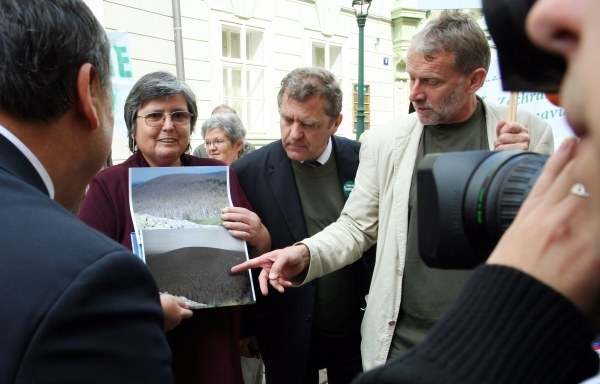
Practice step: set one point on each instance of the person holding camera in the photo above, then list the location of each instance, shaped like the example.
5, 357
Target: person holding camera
447, 63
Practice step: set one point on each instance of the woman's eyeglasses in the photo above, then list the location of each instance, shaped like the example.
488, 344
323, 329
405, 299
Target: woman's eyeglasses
217, 143
157, 119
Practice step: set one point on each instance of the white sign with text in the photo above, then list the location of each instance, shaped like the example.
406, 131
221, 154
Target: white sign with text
537, 103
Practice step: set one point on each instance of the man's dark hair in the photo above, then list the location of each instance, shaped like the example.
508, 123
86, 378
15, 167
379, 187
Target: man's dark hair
43, 44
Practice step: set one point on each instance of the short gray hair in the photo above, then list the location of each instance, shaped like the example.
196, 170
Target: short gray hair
455, 32
226, 107
230, 123
155, 85
304, 83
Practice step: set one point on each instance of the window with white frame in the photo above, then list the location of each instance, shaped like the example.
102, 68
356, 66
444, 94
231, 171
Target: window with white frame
243, 63
328, 56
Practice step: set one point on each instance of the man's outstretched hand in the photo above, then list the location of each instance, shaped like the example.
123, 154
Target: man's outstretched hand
278, 267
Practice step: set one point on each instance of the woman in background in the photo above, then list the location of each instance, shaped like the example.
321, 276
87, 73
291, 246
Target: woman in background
224, 136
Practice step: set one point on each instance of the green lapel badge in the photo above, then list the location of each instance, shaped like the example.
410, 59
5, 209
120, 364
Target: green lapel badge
348, 187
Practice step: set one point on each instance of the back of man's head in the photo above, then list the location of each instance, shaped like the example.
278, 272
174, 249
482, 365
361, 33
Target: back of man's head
43, 44
223, 108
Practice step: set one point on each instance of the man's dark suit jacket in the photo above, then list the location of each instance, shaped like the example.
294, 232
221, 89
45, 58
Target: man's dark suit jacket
283, 321
76, 306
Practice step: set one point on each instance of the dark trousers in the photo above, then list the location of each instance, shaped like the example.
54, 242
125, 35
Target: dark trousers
340, 356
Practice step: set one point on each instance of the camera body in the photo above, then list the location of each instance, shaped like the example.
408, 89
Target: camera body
523, 66
466, 200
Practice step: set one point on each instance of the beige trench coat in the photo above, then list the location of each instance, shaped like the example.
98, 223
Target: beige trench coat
377, 211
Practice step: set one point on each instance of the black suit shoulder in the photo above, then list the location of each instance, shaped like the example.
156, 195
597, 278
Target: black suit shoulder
346, 144
67, 287
271, 152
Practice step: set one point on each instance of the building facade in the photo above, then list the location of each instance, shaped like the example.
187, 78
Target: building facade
237, 51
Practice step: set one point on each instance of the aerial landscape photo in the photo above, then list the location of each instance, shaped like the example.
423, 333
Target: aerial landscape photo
177, 219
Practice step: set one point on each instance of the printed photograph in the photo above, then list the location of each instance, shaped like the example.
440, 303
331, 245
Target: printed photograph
177, 218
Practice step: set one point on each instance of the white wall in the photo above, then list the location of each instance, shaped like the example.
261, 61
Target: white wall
289, 25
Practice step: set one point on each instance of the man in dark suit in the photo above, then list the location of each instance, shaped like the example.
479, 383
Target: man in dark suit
77, 307
298, 186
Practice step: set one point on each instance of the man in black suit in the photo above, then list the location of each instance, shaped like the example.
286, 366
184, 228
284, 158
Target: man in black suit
298, 186
77, 307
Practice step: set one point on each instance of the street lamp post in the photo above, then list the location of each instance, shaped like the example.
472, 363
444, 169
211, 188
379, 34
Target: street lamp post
361, 10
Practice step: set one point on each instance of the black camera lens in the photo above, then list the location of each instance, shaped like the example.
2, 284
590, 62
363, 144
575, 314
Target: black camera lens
466, 200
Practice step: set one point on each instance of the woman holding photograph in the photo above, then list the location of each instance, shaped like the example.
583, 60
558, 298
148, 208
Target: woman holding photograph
160, 114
